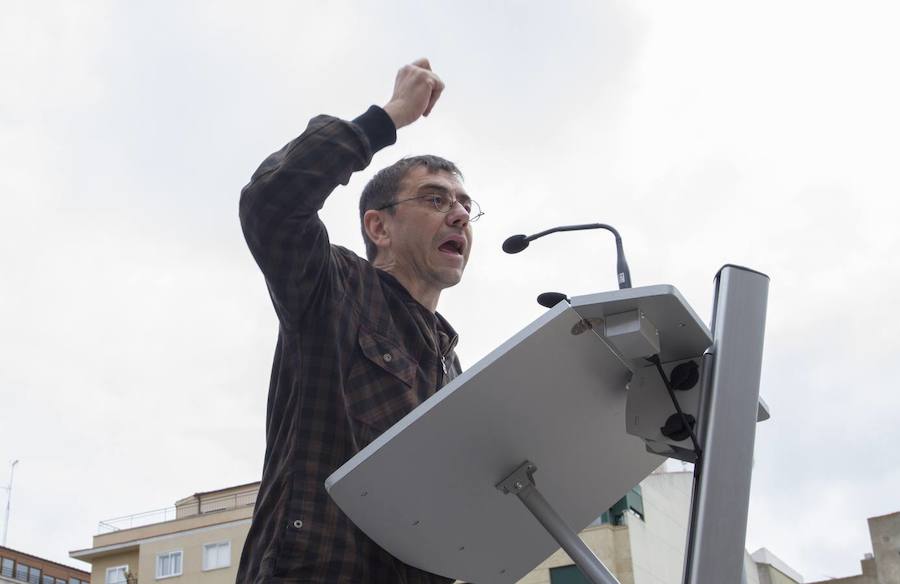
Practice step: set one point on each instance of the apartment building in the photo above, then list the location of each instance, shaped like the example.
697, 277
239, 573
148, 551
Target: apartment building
641, 540
17, 567
198, 541
882, 564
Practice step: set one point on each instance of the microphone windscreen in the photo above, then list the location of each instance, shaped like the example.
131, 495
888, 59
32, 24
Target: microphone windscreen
551, 299
515, 244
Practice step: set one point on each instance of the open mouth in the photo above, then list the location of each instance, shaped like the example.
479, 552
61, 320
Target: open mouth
452, 246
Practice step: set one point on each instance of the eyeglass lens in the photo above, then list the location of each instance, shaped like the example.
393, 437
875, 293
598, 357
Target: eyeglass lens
443, 202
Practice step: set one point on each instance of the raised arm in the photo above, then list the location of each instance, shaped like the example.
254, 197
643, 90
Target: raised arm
279, 207
416, 90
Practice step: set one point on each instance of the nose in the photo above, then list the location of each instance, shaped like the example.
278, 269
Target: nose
457, 216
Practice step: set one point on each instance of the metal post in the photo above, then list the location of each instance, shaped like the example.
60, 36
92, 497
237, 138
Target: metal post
521, 483
12, 469
727, 429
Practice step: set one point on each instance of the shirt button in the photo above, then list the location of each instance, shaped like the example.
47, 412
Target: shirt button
387, 357
298, 524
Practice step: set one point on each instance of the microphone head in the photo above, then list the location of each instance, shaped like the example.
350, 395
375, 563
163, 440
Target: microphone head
551, 299
515, 244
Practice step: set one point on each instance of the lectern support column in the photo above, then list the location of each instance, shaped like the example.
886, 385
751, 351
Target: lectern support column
521, 484
727, 426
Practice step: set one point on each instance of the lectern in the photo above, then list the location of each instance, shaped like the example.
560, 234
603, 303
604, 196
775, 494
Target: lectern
489, 476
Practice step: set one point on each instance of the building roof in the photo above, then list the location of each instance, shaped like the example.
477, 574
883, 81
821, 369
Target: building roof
226, 489
19, 554
764, 556
877, 517
207, 494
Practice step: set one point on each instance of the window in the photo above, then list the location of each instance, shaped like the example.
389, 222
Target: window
567, 575
216, 555
168, 565
633, 500
48, 580
7, 568
26, 573
116, 575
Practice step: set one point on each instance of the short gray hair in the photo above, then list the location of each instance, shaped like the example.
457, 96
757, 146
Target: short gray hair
383, 187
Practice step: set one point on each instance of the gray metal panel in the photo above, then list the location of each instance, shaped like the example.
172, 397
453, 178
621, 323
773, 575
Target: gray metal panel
425, 489
683, 335
727, 429
649, 406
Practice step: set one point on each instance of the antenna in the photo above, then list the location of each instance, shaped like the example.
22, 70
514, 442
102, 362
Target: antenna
12, 469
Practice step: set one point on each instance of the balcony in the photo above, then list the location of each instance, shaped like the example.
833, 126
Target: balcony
197, 511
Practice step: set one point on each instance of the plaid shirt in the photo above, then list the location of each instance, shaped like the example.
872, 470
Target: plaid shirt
355, 353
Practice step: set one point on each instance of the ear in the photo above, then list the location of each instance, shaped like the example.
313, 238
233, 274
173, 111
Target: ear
377, 228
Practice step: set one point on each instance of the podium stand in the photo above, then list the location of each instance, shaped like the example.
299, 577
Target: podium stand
542, 419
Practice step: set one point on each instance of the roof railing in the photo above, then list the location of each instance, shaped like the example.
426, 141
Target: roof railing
200, 506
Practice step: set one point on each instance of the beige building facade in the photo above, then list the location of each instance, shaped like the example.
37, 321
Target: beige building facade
882, 566
641, 544
19, 567
199, 541
645, 544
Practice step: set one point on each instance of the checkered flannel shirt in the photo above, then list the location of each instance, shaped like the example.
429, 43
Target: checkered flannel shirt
355, 353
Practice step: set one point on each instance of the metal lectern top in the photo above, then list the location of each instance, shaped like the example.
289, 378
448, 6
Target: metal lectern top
553, 394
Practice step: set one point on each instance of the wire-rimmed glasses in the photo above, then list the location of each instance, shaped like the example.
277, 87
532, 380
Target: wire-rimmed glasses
443, 202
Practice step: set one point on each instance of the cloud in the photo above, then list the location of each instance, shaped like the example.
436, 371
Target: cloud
137, 335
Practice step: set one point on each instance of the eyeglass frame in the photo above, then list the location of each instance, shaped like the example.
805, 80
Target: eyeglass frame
453, 202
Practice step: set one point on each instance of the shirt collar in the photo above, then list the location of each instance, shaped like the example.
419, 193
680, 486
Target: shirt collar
447, 337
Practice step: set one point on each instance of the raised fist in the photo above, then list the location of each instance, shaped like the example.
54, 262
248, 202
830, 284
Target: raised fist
416, 90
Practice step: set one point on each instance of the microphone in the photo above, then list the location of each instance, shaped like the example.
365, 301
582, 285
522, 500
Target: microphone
551, 299
517, 243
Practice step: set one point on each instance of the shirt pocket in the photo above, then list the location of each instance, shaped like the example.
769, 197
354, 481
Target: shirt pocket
381, 386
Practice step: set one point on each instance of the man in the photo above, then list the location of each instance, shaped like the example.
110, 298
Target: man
360, 344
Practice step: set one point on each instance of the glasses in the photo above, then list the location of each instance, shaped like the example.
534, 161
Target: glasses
443, 202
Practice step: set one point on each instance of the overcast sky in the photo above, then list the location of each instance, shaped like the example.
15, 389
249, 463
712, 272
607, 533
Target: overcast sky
136, 334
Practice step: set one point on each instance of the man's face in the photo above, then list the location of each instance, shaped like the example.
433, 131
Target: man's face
425, 244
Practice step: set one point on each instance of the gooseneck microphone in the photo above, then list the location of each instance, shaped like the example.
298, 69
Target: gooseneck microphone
517, 243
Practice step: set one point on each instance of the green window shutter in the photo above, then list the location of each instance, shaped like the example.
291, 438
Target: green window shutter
632, 500
636, 500
567, 575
